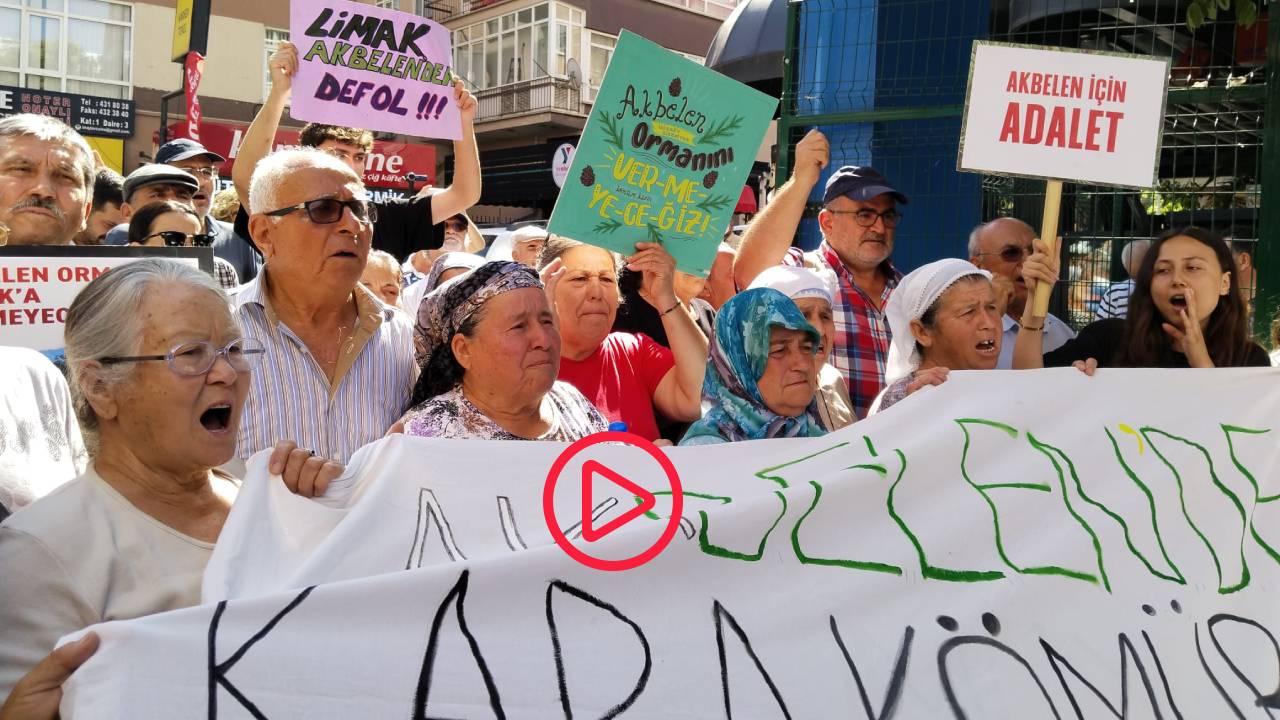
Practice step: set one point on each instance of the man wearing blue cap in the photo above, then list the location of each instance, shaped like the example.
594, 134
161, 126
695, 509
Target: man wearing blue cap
858, 218
193, 158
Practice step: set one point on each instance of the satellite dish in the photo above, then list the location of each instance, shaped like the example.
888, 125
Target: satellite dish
575, 74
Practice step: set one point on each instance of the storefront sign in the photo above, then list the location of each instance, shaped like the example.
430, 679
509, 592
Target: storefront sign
193, 71
88, 115
369, 67
387, 166
663, 157
560, 163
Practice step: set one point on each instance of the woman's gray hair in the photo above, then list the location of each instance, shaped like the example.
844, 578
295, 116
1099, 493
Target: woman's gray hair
105, 320
557, 245
271, 171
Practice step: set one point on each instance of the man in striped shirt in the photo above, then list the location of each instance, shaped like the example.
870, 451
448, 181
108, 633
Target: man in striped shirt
1115, 301
858, 218
338, 369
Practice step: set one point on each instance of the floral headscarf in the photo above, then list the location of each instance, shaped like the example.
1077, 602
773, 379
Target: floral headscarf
447, 307
739, 352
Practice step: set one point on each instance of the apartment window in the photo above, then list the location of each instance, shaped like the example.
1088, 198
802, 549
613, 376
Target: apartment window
388, 4
275, 36
601, 52
75, 46
525, 44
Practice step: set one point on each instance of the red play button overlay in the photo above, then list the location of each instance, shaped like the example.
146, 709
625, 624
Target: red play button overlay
590, 469
598, 480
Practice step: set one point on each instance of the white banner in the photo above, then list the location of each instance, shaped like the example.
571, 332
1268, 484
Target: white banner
1009, 545
1067, 114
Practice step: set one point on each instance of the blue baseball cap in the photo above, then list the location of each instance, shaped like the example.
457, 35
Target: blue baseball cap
182, 149
859, 183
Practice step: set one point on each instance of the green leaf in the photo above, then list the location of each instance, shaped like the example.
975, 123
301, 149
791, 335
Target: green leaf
1211, 10
606, 227
720, 130
1195, 17
1246, 13
1224, 4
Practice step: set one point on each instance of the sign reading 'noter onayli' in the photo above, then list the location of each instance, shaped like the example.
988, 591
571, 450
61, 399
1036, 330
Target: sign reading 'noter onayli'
1064, 114
366, 67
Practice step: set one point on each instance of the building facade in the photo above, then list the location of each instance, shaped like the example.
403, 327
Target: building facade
534, 65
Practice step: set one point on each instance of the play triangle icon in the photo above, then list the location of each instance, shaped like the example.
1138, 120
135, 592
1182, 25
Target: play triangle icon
590, 470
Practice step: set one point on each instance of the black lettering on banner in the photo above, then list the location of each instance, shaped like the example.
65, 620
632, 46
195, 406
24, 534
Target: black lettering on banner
1057, 662
945, 674
510, 531
1214, 678
218, 671
1164, 679
429, 509
1269, 701
457, 597
896, 680
721, 615
561, 678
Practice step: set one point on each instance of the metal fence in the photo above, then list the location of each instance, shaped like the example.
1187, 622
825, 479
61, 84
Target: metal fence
885, 80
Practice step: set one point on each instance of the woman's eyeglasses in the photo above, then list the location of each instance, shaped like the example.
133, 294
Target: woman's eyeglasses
197, 358
175, 238
325, 211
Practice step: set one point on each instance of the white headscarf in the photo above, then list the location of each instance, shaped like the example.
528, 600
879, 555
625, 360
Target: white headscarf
798, 283
914, 295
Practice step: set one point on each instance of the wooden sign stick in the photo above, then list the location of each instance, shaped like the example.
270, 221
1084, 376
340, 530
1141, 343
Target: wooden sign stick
1049, 234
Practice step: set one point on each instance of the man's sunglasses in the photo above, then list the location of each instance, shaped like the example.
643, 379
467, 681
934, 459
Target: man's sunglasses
1010, 253
175, 238
324, 211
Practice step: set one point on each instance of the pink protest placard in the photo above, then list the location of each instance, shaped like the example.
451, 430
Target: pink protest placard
367, 67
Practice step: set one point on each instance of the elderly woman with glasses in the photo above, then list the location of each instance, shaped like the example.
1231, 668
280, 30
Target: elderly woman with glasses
159, 374
168, 223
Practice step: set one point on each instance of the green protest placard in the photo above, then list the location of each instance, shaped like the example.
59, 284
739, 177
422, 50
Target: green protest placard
663, 156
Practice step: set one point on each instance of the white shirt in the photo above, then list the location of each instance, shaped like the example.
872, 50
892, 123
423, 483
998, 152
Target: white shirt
40, 444
1056, 334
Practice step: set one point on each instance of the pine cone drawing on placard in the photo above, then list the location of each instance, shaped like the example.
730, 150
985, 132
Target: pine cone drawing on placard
588, 177
710, 179
674, 88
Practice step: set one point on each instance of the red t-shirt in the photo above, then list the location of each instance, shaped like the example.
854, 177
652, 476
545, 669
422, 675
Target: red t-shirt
620, 378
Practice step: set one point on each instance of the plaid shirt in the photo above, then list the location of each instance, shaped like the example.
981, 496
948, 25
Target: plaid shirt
862, 331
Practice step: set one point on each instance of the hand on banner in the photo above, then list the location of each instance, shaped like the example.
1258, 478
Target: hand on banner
1189, 339
37, 695
658, 283
465, 101
303, 472
1088, 367
283, 65
550, 276
813, 153
930, 376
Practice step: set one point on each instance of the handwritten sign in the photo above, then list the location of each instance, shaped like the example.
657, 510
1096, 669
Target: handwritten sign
38, 283
368, 67
663, 156
1064, 114
943, 559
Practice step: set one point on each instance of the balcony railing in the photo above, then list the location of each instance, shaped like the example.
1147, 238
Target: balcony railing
441, 10
539, 95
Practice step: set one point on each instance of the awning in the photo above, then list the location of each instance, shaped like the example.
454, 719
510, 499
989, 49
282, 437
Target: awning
747, 201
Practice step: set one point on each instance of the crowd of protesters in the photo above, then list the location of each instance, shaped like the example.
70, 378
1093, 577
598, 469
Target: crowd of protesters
333, 320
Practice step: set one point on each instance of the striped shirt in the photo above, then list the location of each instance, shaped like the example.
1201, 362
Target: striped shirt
291, 398
862, 329
1115, 301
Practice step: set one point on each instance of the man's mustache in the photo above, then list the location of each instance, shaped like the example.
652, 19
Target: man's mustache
39, 202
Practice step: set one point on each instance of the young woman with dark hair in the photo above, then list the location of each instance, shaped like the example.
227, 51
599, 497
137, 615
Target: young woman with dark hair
1185, 311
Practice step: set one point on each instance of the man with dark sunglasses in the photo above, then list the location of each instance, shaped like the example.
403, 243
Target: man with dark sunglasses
404, 225
1000, 247
338, 366
858, 219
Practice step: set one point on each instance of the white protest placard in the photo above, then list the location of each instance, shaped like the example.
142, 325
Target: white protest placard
968, 553
38, 283
1064, 114
372, 68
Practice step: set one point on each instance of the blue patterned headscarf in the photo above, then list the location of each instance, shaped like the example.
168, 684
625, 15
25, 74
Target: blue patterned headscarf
739, 353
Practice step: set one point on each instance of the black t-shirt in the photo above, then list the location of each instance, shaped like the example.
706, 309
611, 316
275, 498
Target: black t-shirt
404, 226
1101, 341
